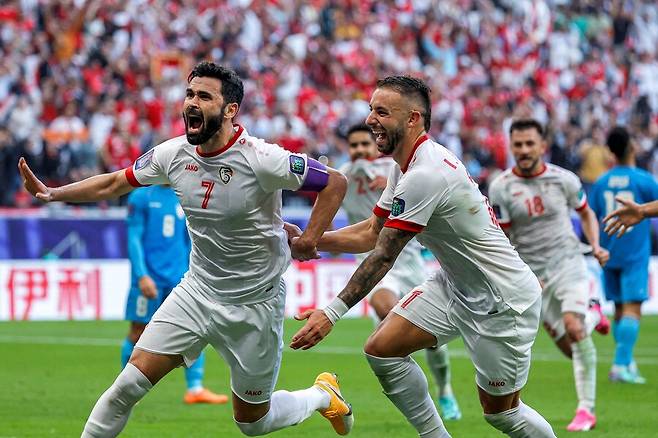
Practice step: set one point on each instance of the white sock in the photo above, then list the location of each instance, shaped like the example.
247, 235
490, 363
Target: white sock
405, 385
521, 422
438, 361
584, 372
287, 409
111, 412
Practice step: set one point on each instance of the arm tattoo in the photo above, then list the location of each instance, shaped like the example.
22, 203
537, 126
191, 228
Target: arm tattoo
376, 265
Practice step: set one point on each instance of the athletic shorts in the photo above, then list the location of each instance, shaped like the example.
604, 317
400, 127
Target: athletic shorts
566, 288
628, 284
141, 309
249, 336
498, 344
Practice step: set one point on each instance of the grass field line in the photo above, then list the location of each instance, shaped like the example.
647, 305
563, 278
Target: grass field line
647, 356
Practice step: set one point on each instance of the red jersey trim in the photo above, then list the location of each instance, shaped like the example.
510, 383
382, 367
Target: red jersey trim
422, 139
230, 143
130, 176
404, 225
582, 207
505, 224
380, 212
541, 172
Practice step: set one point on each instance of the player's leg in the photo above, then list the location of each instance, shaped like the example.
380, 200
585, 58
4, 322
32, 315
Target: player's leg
499, 345
382, 300
438, 360
418, 321
135, 331
139, 311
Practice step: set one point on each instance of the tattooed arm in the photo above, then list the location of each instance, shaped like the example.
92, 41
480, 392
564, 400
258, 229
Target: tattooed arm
368, 274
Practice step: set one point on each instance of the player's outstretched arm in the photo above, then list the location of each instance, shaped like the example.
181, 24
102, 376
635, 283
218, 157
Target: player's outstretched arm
326, 205
96, 188
590, 226
353, 239
629, 214
368, 274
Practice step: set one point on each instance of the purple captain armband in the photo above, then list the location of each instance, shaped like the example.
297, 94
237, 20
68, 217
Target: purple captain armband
317, 176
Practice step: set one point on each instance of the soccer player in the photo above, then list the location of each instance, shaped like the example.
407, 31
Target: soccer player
532, 201
229, 186
366, 174
483, 291
159, 249
626, 275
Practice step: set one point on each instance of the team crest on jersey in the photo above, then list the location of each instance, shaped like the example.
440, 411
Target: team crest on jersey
297, 164
144, 160
397, 208
225, 174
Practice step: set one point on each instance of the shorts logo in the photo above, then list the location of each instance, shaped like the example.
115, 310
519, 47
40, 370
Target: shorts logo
497, 383
397, 208
297, 164
144, 160
253, 392
225, 174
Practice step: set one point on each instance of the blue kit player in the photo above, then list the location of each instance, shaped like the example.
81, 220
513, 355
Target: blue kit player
626, 274
158, 248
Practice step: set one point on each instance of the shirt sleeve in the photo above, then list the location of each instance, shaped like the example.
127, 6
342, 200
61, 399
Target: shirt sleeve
148, 169
136, 221
415, 199
277, 168
499, 205
383, 206
574, 191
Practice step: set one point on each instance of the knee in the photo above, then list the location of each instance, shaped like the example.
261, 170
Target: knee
376, 347
575, 329
503, 421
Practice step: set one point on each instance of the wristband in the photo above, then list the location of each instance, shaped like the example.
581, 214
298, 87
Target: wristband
335, 310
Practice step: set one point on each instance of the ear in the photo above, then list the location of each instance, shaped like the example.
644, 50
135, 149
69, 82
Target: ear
415, 118
231, 110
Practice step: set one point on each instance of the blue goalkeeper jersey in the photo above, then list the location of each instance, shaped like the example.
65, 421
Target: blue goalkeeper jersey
630, 183
158, 242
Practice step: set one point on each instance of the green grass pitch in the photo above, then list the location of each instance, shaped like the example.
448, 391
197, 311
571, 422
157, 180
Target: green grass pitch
52, 373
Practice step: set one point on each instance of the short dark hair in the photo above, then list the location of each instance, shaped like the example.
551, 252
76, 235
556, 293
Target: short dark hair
619, 141
232, 88
413, 87
526, 123
359, 127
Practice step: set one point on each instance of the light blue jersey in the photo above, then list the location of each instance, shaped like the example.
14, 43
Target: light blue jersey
629, 183
158, 246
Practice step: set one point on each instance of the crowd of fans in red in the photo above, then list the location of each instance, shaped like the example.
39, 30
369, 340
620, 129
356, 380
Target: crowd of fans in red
88, 85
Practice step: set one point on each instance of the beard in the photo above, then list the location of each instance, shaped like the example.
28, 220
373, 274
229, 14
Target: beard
210, 126
393, 138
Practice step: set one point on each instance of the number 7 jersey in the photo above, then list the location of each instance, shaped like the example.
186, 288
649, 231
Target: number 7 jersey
232, 203
536, 213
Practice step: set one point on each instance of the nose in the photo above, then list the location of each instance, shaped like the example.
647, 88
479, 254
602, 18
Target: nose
370, 120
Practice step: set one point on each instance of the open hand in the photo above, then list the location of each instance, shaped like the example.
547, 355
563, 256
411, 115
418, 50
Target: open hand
620, 220
32, 183
316, 328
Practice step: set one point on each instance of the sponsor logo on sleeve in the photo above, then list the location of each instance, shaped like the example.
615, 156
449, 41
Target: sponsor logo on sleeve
144, 160
225, 174
397, 207
297, 164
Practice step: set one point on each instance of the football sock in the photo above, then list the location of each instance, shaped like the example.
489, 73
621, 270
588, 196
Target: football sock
286, 409
194, 374
405, 385
521, 422
126, 351
627, 331
438, 361
584, 372
113, 408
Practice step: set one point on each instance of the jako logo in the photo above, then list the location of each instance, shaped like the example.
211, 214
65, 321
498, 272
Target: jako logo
191, 167
496, 384
250, 392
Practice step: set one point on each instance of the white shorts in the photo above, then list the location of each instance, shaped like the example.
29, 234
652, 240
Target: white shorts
498, 344
565, 289
249, 337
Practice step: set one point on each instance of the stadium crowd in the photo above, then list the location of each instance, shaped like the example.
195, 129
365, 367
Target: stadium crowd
88, 85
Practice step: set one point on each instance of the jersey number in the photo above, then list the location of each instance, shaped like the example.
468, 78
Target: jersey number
142, 306
611, 204
535, 206
209, 185
168, 225
360, 186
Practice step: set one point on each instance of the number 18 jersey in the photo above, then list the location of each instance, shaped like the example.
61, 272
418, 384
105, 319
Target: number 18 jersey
232, 202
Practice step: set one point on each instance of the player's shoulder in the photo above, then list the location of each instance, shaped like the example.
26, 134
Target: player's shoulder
500, 181
171, 145
554, 171
257, 148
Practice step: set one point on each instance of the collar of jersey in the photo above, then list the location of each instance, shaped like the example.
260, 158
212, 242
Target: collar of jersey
238, 133
420, 141
541, 172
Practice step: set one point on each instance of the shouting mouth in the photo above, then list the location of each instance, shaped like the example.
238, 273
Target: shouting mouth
194, 123
380, 137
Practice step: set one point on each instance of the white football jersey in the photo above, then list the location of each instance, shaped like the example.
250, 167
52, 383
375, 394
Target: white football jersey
359, 201
232, 202
434, 196
536, 213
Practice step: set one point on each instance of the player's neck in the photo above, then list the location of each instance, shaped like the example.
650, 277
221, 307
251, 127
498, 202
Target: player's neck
403, 155
535, 171
219, 140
